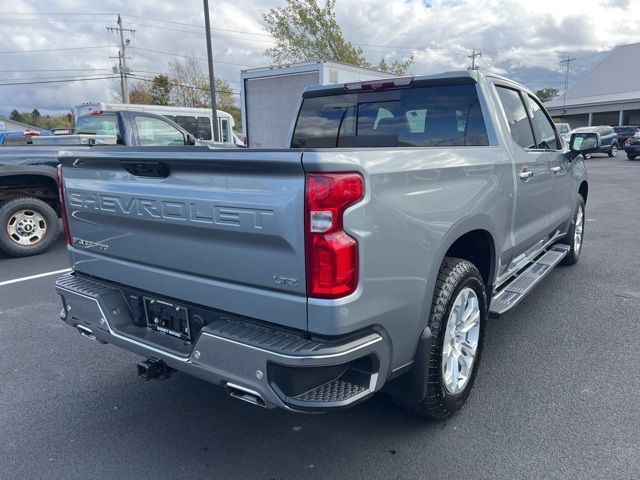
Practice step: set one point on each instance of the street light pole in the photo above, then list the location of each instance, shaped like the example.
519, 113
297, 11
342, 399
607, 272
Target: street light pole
212, 83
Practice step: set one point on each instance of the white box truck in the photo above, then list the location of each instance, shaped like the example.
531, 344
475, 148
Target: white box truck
270, 96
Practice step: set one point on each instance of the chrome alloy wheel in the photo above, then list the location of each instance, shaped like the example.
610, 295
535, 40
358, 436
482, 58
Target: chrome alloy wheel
26, 227
577, 234
461, 341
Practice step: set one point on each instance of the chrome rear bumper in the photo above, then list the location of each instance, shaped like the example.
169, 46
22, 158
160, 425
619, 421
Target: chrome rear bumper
283, 368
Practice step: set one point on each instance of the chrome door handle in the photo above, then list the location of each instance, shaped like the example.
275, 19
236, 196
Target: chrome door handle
526, 174
556, 170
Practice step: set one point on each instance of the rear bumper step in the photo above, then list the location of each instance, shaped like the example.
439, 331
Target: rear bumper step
513, 293
280, 367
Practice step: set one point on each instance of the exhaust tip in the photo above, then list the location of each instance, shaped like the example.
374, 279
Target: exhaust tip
245, 395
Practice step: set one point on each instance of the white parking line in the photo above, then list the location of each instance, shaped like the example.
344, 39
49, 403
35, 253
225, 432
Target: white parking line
31, 277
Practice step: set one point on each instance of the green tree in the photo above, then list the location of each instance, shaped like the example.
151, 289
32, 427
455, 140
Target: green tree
304, 30
547, 94
139, 94
36, 119
16, 116
160, 90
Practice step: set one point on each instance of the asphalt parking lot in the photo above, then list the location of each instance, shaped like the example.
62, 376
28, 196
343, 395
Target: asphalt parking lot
556, 395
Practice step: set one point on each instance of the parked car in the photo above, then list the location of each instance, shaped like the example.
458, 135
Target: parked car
29, 204
609, 143
625, 132
563, 128
370, 254
632, 146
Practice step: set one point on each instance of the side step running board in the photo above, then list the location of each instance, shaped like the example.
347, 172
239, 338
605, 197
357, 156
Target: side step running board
518, 288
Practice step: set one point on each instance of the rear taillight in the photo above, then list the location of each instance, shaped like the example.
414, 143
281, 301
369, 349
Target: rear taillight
331, 253
63, 206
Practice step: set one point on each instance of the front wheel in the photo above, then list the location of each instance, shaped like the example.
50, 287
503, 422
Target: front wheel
631, 157
586, 156
614, 150
456, 321
28, 226
575, 235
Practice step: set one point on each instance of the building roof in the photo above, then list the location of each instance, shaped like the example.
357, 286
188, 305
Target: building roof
616, 79
24, 126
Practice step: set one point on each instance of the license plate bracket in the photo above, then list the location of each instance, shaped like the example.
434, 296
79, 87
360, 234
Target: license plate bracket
167, 317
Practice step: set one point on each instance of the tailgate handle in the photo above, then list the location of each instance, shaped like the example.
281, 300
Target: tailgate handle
147, 169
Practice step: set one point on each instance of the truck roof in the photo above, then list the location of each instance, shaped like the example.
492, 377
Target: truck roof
475, 74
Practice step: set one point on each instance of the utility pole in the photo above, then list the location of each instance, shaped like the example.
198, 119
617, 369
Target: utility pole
122, 58
472, 56
567, 61
212, 82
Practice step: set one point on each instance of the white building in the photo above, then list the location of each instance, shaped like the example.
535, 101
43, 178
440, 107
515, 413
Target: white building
608, 95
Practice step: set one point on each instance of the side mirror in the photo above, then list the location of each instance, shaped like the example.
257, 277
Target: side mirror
191, 140
581, 143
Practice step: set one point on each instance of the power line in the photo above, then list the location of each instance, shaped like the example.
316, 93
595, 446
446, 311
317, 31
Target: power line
195, 87
54, 70
58, 49
189, 56
54, 77
58, 81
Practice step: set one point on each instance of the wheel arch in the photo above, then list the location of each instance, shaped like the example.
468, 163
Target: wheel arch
473, 239
584, 190
38, 184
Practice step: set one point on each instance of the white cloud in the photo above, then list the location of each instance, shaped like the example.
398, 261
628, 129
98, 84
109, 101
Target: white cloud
520, 38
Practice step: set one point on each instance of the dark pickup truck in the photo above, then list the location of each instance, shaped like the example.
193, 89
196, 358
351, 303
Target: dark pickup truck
29, 205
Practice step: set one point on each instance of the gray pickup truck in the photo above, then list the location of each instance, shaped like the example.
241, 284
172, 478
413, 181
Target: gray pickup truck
29, 205
370, 254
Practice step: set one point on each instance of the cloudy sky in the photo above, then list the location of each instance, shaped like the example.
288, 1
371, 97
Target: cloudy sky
60, 40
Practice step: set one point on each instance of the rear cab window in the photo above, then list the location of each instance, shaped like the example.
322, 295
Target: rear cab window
417, 116
102, 124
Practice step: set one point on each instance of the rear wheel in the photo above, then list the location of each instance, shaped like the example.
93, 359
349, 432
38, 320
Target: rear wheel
614, 150
631, 157
575, 235
456, 321
28, 226
586, 156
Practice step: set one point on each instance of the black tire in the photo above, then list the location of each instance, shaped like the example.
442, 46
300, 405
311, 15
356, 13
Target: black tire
49, 218
574, 254
613, 151
631, 157
586, 156
455, 275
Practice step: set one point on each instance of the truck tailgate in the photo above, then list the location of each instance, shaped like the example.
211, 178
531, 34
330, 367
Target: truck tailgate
222, 229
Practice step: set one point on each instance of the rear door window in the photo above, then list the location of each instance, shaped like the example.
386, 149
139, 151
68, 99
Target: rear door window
546, 138
517, 117
155, 132
430, 116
